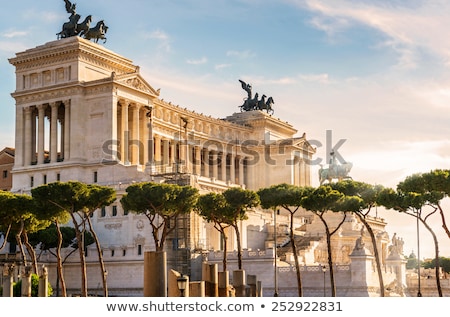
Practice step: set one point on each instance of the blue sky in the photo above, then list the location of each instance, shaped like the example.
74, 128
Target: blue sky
375, 73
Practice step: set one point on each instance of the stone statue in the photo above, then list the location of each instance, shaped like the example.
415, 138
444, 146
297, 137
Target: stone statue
334, 170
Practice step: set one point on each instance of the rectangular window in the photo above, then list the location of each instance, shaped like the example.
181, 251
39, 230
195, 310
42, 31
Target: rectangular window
31, 181
103, 212
5, 174
139, 249
45, 179
112, 252
114, 211
124, 252
95, 177
58, 177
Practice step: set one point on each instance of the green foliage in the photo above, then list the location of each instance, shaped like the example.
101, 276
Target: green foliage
213, 208
240, 200
284, 195
159, 199
48, 238
444, 263
322, 199
17, 287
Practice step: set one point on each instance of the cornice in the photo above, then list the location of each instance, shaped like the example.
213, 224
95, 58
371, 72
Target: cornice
72, 49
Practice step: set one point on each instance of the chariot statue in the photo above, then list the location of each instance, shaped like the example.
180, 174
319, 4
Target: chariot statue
255, 103
83, 29
334, 170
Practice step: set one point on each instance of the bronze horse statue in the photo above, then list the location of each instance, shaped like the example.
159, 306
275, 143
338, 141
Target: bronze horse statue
69, 28
265, 105
97, 33
250, 104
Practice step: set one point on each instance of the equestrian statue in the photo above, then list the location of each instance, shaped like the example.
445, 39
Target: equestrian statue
334, 171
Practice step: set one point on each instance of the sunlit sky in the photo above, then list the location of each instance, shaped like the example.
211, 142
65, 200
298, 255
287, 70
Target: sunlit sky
374, 73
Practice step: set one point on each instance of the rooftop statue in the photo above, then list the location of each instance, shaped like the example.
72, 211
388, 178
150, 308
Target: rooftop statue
334, 171
73, 28
255, 103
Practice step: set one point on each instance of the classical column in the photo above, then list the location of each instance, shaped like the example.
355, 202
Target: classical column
197, 160
232, 169
54, 133
41, 133
206, 162
124, 133
215, 165
149, 142
223, 167
157, 156
135, 134
66, 128
241, 170
28, 134
165, 151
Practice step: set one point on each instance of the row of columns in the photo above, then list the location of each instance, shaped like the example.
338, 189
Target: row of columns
167, 154
33, 132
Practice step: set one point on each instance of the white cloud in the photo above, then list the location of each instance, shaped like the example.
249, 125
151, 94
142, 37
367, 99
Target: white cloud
12, 34
319, 78
409, 30
200, 61
162, 37
241, 54
222, 66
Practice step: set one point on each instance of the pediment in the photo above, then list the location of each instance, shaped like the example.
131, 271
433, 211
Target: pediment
136, 81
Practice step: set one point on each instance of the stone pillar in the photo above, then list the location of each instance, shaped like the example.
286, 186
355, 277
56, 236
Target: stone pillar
135, 144
66, 153
224, 283
361, 269
155, 278
215, 165
239, 282
28, 133
223, 167
197, 289
41, 134
26, 281
54, 133
210, 276
206, 162
124, 144
43, 283
8, 280
157, 149
165, 152
197, 162
241, 170
232, 169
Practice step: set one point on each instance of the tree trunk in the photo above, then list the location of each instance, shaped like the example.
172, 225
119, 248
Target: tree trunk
239, 249
100, 257
330, 255
79, 234
59, 260
30, 251
436, 257
294, 251
5, 237
375, 252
